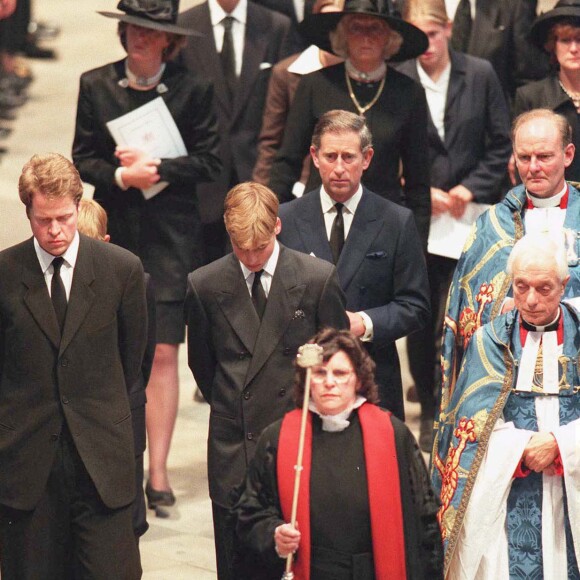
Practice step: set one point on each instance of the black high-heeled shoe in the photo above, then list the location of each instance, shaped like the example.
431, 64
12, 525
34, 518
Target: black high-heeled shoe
157, 497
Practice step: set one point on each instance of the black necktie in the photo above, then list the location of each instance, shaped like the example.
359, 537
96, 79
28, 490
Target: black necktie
337, 233
258, 295
228, 56
462, 26
58, 293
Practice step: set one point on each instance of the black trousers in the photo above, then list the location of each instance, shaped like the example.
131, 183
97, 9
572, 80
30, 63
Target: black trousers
70, 534
224, 529
424, 347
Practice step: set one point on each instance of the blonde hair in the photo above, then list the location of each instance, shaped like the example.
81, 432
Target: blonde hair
250, 214
92, 219
51, 175
340, 46
430, 10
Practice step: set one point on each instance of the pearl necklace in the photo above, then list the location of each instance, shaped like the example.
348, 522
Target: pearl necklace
144, 81
574, 97
373, 76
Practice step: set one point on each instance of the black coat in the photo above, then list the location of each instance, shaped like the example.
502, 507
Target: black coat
85, 376
265, 43
381, 270
548, 94
244, 367
259, 512
477, 142
398, 123
165, 230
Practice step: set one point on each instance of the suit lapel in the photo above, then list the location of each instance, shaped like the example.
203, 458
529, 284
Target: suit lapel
36, 296
285, 295
81, 296
255, 46
363, 230
456, 87
236, 305
311, 227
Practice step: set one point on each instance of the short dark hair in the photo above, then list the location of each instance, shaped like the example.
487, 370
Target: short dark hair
332, 341
176, 41
339, 121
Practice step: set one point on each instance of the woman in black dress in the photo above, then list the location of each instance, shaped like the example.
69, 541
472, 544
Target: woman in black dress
393, 105
164, 231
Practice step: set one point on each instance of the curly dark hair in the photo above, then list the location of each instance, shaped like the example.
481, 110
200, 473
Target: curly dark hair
332, 341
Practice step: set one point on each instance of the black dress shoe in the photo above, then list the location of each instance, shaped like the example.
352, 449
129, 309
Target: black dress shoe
156, 498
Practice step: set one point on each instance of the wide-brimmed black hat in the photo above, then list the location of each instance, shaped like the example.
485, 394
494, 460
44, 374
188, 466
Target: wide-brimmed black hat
316, 27
155, 14
564, 10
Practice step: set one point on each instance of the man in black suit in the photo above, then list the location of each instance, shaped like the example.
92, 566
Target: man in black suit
373, 242
72, 335
247, 314
241, 43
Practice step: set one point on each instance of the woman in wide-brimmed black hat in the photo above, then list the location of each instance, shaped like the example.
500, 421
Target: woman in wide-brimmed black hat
394, 105
164, 230
558, 33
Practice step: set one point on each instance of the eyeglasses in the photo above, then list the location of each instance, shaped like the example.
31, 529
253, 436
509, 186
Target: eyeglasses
338, 376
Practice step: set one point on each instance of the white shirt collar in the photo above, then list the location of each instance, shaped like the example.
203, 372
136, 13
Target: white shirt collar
217, 13
70, 256
553, 201
440, 85
269, 266
350, 204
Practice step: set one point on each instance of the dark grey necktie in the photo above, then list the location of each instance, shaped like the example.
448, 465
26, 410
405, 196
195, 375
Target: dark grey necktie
462, 26
58, 292
337, 233
228, 56
258, 295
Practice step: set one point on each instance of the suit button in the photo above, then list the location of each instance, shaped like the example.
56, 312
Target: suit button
64, 362
247, 395
250, 436
286, 351
282, 392
64, 400
242, 355
54, 437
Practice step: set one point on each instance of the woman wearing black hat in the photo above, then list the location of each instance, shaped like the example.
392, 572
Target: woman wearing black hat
164, 231
558, 33
394, 105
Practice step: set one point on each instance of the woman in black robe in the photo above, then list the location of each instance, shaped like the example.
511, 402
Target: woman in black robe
366, 508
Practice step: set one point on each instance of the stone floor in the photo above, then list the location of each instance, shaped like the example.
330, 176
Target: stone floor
180, 547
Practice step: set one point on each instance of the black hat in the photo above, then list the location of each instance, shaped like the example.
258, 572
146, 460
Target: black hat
568, 10
316, 27
155, 14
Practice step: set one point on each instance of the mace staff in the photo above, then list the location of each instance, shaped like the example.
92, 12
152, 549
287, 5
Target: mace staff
309, 355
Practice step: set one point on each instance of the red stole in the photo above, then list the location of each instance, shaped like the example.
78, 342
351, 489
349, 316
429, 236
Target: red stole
383, 489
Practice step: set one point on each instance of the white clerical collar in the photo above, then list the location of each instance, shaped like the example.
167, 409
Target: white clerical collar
70, 256
338, 422
350, 204
269, 266
543, 202
217, 13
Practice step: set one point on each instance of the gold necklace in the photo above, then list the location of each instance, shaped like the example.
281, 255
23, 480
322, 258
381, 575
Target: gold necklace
362, 110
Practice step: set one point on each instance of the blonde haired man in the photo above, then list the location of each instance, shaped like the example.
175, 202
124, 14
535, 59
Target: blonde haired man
247, 314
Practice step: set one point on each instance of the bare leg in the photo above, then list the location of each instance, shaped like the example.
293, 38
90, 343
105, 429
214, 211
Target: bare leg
162, 400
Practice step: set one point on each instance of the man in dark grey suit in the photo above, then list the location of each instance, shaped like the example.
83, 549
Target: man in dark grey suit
373, 242
72, 335
241, 43
247, 314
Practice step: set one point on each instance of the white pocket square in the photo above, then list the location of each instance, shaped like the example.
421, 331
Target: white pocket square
313, 254
265, 65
